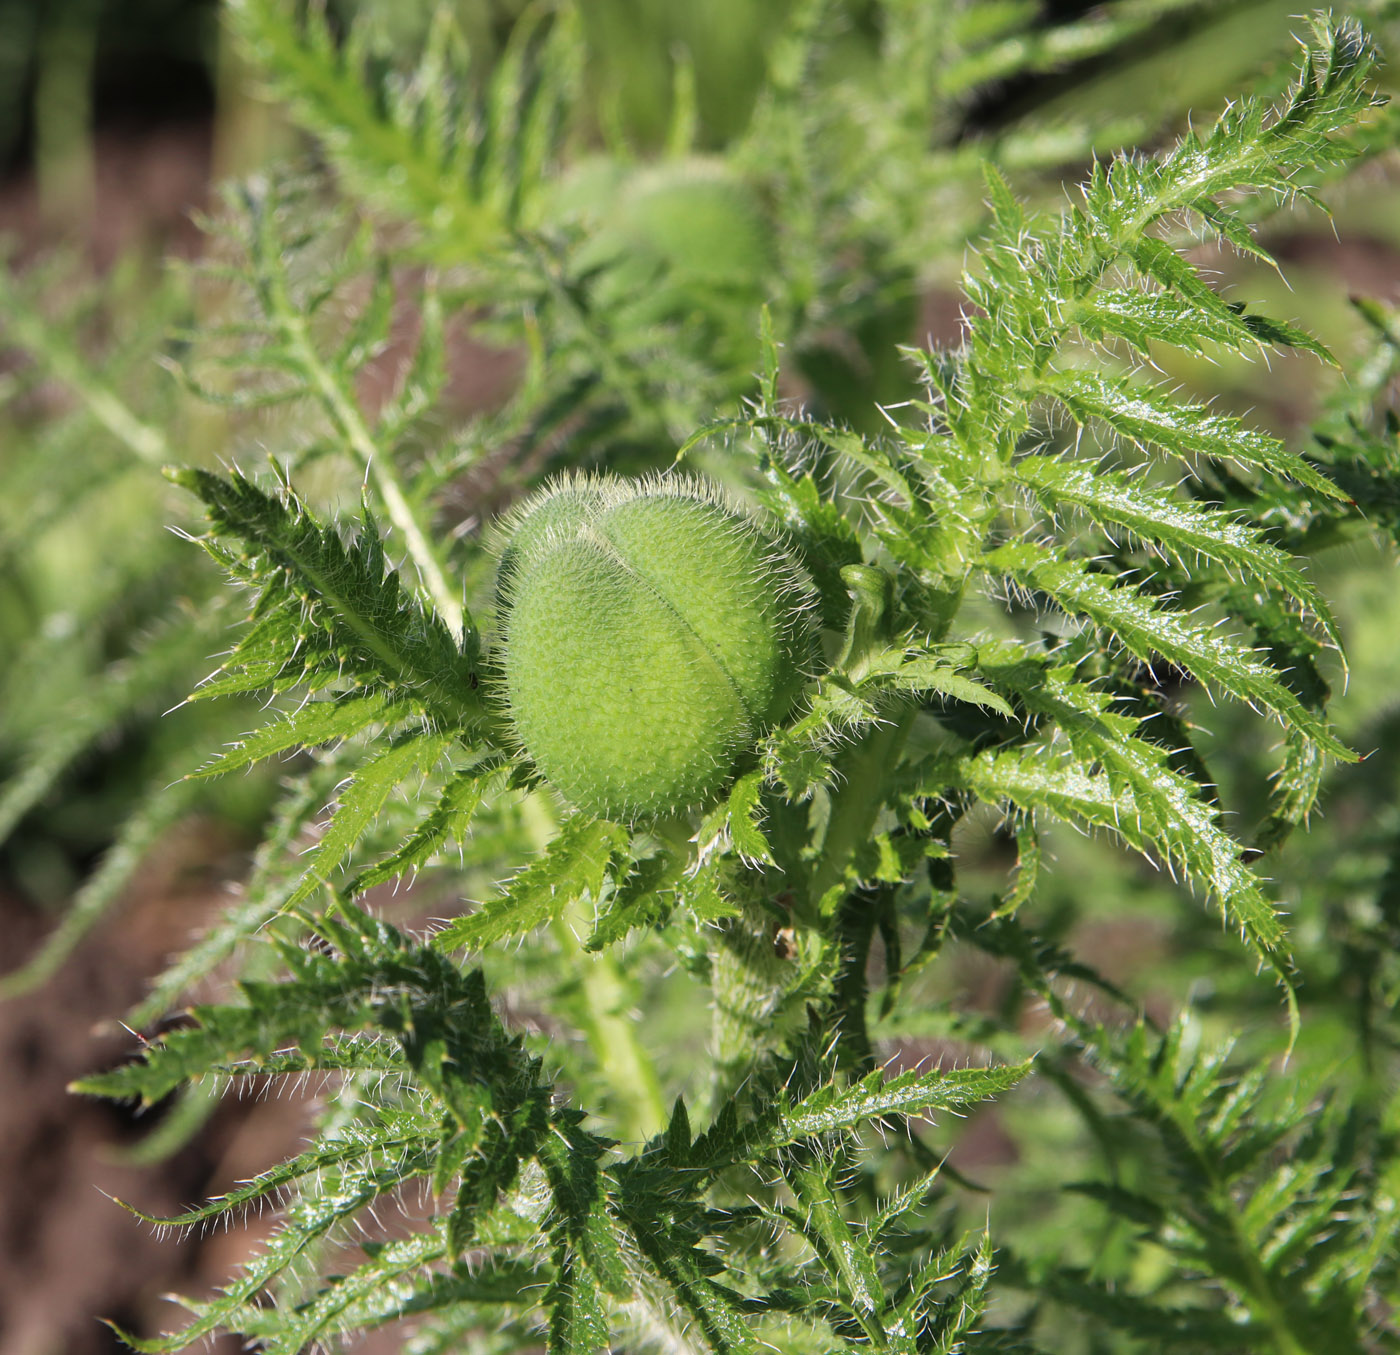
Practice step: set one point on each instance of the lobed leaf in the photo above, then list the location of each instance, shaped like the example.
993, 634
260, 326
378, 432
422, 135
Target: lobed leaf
1150, 631
406, 757
448, 822
1151, 808
833, 1110
1188, 321
576, 864
315, 723
1145, 415
308, 1220
328, 612
1165, 522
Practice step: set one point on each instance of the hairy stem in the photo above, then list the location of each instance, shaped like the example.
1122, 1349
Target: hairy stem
345, 415
623, 1063
351, 424
864, 773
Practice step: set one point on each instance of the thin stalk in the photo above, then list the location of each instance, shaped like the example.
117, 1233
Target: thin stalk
623, 1063
347, 418
612, 1033
53, 349
855, 806
750, 986
345, 414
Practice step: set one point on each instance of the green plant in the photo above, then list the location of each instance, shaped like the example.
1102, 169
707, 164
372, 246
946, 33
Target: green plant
1028, 566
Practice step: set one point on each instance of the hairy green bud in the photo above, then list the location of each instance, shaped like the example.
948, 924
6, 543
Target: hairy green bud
652, 629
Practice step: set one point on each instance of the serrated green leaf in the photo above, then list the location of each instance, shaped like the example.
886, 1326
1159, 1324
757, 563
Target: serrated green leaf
1008, 213
677, 1136
448, 823
1145, 803
1188, 431
1294, 792
903, 1202
1230, 226
327, 612
924, 673
714, 1308
577, 1323
1166, 1326
575, 864
645, 898
396, 1282
398, 1132
315, 723
1165, 522
1151, 631
702, 892
1028, 864
1190, 311
1145, 318
309, 1219
735, 822
744, 808
466, 160
409, 756
849, 1263
833, 1109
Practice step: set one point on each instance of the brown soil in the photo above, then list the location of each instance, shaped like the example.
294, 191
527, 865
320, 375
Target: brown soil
68, 1253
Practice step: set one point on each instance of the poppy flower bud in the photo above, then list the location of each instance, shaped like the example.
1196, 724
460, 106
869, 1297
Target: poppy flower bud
653, 629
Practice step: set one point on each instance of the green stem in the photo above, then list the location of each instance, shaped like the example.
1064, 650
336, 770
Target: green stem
604, 1012
345, 415
612, 1032
379, 466
50, 346
864, 772
857, 923
750, 989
